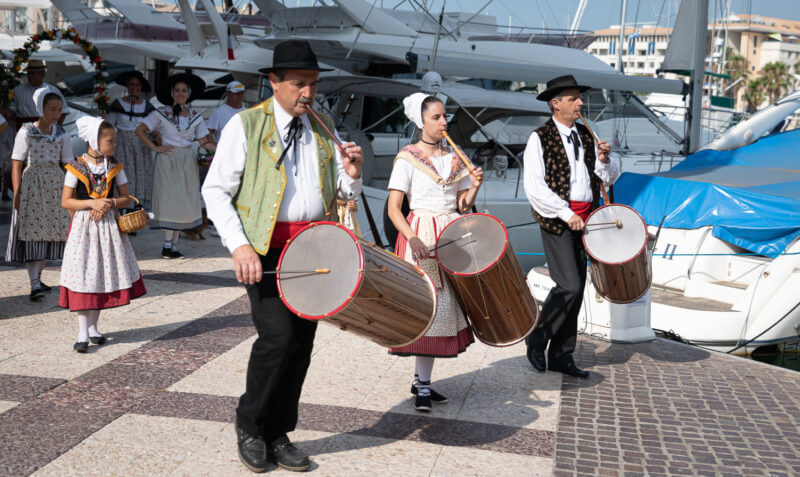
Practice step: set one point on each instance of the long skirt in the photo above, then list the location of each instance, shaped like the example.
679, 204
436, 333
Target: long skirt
177, 204
137, 160
450, 333
39, 228
99, 269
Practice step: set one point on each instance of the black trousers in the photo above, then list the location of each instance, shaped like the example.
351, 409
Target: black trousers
278, 363
558, 324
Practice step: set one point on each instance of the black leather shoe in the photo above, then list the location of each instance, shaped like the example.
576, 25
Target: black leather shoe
536, 358
288, 456
567, 366
98, 340
252, 451
36, 294
435, 397
45, 288
81, 346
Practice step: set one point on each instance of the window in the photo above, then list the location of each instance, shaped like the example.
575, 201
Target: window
755, 41
612, 47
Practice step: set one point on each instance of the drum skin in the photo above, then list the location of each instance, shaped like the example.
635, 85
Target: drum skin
370, 292
623, 281
492, 289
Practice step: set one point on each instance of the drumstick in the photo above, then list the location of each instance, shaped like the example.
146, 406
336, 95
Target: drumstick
461, 156
617, 222
450, 242
308, 103
606, 200
316, 270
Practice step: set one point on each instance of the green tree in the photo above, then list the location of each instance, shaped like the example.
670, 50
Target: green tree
756, 93
777, 79
737, 68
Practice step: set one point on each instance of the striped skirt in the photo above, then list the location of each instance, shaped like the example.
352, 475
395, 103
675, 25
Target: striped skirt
30, 250
450, 333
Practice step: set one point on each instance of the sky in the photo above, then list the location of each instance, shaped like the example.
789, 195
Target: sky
599, 14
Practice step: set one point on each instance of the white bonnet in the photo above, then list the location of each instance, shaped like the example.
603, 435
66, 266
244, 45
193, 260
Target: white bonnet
413, 107
89, 129
38, 97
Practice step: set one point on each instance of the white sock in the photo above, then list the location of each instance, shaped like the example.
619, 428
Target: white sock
175, 236
167, 244
94, 316
33, 274
424, 366
41, 264
83, 326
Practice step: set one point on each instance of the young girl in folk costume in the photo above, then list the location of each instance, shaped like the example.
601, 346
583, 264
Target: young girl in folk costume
126, 114
439, 188
176, 178
38, 224
99, 269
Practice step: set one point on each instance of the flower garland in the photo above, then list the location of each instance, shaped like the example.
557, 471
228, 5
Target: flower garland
10, 75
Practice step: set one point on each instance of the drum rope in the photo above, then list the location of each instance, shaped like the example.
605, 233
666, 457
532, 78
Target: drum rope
383, 296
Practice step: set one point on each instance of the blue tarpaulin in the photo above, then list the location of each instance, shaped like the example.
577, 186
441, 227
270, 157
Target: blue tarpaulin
750, 195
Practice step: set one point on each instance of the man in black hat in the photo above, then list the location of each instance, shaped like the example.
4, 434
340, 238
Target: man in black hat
564, 173
278, 172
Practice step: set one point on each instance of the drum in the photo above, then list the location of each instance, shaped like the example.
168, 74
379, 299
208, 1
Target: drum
615, 238
474, 252
367, 291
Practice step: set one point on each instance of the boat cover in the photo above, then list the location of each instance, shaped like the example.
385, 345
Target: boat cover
750, 195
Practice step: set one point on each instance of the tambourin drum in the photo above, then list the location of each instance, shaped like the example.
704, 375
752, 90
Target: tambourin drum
368, 291
618, 261
474, 252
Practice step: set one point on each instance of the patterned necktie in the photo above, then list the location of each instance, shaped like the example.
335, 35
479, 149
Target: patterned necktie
292, 136
573, 138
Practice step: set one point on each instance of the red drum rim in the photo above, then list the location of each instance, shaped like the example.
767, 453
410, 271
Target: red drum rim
491, 265
349, 297
644, 242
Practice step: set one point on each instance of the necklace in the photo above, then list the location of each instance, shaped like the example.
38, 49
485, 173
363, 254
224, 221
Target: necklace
94, 157
426, 142
98, 186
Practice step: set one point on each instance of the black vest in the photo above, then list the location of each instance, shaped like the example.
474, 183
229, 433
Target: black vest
557, 174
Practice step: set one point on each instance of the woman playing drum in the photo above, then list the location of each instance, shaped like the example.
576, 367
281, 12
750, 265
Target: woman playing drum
439, 188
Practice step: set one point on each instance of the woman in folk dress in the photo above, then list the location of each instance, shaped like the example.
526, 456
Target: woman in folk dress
177, 204
38, 223
127, 113
439, 188
99, 269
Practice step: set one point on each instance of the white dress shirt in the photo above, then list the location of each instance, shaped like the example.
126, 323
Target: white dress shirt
301, 198
126, 122
543, 199
171, 134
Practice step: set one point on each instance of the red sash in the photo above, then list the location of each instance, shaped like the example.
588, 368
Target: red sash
581, 209
284, 231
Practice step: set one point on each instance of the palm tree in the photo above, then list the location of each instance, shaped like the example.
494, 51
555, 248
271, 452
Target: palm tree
776, 75
755, 93
737, 70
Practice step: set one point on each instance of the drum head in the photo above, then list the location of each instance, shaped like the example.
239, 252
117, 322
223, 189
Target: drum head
607, 243
319, 295
476, 243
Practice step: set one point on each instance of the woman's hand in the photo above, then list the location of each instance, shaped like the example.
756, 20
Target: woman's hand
418, 249
95, 215
164, 149
101, 206
477, 177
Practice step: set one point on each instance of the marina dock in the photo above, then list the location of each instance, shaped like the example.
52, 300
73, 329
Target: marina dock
159, 397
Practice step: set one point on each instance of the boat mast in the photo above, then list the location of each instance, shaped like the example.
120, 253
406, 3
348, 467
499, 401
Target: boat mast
698, 73
621, 36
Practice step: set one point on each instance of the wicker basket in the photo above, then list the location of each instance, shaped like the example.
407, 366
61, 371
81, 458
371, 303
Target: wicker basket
133, 221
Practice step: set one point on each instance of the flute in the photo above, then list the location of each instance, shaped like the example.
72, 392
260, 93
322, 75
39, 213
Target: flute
606, 199
461, 155
308, 103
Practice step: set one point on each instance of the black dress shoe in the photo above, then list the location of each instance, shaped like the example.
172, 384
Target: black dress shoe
81, 346
45, 288
98, 340
435, 397
536, 358
568, 367
36, 294
252, 451
288, 456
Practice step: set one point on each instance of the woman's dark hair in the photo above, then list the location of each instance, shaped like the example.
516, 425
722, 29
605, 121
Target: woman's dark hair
104, 126
51, 96
176, 109
426, 104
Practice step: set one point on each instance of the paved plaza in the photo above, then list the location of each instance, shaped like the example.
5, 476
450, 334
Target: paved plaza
159, 397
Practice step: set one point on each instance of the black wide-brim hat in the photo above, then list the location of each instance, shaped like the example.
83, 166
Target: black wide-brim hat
293, 55
557, 85
195, 83
122, 79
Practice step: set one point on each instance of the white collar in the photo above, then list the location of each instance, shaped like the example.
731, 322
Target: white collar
563, 129
282, 118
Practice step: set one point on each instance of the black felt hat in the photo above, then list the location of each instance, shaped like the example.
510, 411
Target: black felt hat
293, 55
195, 83
122, 79
557, 85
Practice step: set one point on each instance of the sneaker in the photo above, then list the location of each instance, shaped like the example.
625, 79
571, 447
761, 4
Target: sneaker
435, 397
288, 456
423, 400
81, 346
166, 252
175, 254
37, 294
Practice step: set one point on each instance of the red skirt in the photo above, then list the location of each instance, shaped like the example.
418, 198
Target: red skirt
77, 301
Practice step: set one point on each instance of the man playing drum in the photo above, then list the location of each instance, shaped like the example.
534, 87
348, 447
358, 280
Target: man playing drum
564, 173
277, 171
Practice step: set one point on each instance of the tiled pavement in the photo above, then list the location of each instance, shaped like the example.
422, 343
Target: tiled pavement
159, 398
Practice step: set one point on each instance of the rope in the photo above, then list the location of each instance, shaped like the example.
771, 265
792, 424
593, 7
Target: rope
688, 254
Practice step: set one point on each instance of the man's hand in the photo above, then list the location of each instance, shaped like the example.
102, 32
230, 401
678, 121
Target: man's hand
575, 223
603, 150
248, 265
352, 160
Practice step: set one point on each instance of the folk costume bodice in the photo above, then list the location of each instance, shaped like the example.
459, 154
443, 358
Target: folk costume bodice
424, 185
